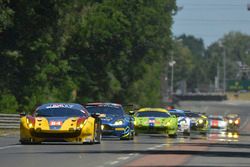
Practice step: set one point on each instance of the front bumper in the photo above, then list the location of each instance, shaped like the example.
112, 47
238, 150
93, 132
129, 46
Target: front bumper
183, 128
55, 134
115, 131
152, 129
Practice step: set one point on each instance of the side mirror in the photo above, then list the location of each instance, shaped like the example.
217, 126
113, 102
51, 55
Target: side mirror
173, 116
131, 112
95, 115
22, 114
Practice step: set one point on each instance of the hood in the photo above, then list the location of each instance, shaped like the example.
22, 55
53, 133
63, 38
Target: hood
194, 119
151, 121
186, 119
106, 119
55, 123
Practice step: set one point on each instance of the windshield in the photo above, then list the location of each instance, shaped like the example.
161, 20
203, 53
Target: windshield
191, 114
60, 112
178, 114
152, 114
105, 110
216, 118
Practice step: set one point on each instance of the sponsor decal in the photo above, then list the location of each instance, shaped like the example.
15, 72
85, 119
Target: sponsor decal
60, 106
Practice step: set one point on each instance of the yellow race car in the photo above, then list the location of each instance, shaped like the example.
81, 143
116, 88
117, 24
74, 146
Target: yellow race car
68, 122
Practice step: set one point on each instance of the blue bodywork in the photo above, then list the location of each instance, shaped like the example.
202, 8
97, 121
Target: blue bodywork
115, 123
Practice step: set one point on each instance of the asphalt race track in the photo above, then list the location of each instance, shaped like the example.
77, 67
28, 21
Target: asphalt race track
216, 149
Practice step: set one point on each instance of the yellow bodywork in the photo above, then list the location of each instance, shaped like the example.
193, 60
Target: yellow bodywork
153, 109
68, 131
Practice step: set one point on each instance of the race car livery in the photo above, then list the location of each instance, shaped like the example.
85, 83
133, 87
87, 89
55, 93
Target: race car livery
183, 121
198, 122
233, 122
155, 120
115, 123
217, 122
67, 122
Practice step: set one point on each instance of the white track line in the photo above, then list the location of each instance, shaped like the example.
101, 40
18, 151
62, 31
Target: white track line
113, 162
123, 158
6, 147
244, 124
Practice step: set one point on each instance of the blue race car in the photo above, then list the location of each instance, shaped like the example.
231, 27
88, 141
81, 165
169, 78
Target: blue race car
115, 123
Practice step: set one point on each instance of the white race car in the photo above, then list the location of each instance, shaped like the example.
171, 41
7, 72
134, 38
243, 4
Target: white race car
217, 122
183, 121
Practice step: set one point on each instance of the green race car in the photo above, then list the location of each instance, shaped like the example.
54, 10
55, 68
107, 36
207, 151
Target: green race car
155, 120
199, 122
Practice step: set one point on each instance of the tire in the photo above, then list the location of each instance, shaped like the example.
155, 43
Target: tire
98, 135
172, 135
25, 142
132, 136
186, 133
203, 133
29, 142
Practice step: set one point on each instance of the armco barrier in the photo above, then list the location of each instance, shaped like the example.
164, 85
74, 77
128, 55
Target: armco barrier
9, 121
202, 97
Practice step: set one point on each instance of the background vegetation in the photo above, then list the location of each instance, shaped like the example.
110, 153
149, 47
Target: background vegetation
93, 50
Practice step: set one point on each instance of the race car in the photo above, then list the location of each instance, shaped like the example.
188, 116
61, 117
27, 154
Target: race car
233, 122
183, 121
217, 122
115, 123
155, 120
64, 122
198, 122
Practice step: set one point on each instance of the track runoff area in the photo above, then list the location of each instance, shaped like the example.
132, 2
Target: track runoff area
217, 148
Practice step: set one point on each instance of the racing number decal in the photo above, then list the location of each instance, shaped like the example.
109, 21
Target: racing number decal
55, 123
215, 123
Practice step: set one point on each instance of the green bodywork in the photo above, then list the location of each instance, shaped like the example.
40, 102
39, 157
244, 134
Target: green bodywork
200, 126
156, 125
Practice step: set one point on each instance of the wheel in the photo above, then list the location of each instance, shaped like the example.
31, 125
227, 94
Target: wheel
132, 136
29, 142
172, 135
186, 133
25, 142
98, 134
203, 133
129, 137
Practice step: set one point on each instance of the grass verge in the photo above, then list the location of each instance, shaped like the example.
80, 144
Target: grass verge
9, 132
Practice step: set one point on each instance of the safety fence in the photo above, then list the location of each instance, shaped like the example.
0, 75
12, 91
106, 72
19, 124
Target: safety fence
9, 121
202, 97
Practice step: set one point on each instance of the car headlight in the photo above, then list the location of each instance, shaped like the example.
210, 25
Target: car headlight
230, 121
183, 122
237, 122
118, 122
168, 124
200, 121
102, 127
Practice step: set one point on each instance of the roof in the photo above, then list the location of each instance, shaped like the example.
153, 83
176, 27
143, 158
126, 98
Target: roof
104, 104
153, 109
215, 116
61, 105
177, 111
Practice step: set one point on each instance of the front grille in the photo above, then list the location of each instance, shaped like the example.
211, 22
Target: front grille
56, 135
107, 127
